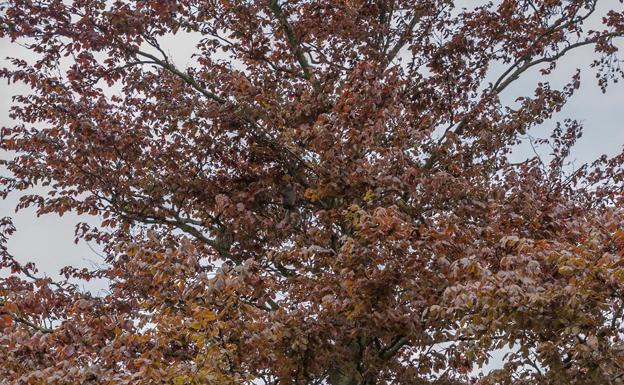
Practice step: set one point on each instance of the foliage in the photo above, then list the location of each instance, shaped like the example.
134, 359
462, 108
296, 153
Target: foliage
322, 196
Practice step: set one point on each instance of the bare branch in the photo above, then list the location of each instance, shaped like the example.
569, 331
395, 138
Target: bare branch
293, 42
187, 79
28, 323
403, 39
393, 348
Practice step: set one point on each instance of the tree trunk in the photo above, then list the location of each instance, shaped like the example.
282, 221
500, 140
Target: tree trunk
346, 372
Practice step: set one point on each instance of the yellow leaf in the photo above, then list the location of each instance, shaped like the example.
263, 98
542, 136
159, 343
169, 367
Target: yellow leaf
369, 196
311, 195
209, 316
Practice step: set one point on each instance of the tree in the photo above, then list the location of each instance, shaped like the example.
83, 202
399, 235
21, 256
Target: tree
323, 196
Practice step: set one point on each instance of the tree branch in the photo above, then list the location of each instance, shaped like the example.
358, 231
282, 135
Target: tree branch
522, 65
403, 39
28, 323
239, 112
393, 348
293, 42
187, 79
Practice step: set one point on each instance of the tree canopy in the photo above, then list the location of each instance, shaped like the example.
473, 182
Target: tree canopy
323, 195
